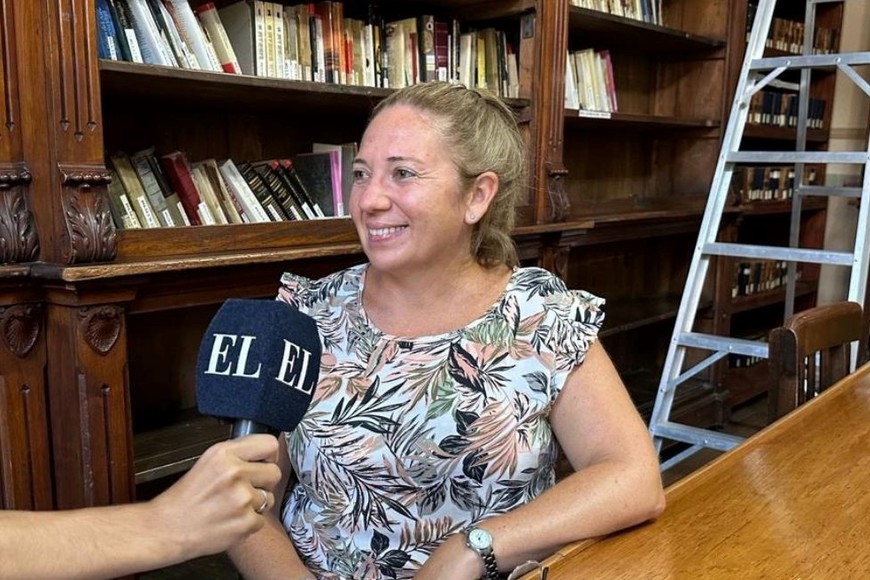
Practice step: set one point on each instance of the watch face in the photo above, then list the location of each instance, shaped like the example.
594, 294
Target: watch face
479, 539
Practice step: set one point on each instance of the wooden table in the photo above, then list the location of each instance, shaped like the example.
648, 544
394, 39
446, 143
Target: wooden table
793, 501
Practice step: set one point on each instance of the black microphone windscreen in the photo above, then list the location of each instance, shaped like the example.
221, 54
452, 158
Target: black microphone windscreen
259, 360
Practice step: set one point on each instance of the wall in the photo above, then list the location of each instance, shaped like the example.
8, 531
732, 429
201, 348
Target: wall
848, 133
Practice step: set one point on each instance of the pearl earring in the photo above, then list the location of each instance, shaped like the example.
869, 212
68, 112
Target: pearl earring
472, 217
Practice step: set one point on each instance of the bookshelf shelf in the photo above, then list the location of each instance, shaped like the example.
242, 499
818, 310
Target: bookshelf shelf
784, 133
596, 119
770, 297
611, 30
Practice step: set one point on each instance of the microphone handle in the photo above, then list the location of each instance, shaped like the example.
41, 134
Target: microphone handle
242, 427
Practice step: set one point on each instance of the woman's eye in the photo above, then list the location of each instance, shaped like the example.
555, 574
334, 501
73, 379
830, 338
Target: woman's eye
404, 173
359, 175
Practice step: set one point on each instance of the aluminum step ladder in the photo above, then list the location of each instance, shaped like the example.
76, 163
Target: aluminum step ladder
758, 72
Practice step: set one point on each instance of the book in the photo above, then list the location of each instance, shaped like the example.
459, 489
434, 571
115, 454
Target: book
261, 191
144, 171
148, 37
285, 169
244, 22
177, 171
241, 191
108, 45
279, 191
179, 52
232, 209
191, 31
207, 193
126, 34
316, 172
135, 191
343, 173
217, 35
122, 211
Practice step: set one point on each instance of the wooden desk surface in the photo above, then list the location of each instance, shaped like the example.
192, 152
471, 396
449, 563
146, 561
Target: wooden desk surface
793, 501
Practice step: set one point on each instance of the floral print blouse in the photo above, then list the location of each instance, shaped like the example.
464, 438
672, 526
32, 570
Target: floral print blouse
411, 439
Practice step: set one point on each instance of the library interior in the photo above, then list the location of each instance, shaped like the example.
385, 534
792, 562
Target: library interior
699, 165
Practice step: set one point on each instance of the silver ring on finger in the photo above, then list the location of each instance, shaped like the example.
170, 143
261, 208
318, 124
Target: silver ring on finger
262, 507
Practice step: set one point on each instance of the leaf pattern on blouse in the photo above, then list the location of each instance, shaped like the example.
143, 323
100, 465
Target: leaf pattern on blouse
411, 439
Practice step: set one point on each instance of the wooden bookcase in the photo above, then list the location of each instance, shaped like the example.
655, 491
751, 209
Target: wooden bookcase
101, 326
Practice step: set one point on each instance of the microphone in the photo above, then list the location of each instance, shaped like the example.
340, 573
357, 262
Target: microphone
258, 364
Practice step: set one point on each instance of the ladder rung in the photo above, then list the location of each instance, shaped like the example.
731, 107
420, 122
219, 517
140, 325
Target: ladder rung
803, 255
855, 157
829, 191
810, 61
696, 436
756, 348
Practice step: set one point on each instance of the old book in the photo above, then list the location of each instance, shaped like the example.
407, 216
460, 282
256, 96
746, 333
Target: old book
346, 153
152, 46
262, 193
316, 172
207, 193
177, 171
135, 191
152, 188
230, 205
217, 36
190, 30
236, 184
108, 44
122, 210
279, 191
173, 202
245, 24
287, 171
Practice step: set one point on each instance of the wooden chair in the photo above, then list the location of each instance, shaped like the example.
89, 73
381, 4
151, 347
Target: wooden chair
810, 353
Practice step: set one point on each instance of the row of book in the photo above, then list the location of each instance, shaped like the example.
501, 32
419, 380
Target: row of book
307, 42
781, 109
759, 276
589, 83
644, 10
152, 190
788, 35
768, 183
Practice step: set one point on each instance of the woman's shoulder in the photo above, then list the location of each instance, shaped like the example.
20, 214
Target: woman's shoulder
303, 291
540, 286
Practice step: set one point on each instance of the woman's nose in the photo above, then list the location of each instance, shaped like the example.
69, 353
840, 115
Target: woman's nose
371, 195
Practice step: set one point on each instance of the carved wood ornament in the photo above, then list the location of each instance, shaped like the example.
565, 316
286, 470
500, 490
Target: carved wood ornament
100, 326
18, 239
20, 326
90, 231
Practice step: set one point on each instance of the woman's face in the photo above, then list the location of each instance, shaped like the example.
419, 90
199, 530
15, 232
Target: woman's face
406, 200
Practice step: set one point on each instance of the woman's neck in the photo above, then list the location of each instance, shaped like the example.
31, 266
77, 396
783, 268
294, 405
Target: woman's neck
434, 301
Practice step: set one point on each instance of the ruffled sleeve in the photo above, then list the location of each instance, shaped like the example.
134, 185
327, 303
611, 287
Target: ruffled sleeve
575, 317
295, 290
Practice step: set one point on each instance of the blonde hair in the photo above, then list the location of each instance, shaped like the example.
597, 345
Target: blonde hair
482, 135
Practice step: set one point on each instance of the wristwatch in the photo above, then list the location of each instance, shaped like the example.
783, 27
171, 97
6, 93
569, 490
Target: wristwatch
480, 541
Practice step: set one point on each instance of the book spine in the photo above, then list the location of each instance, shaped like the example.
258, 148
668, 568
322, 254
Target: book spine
188, 27
177, 170
152, 187
242, 191
217, 34
262, 193
146, 34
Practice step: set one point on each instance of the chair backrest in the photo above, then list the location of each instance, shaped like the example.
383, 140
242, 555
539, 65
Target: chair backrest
810, 352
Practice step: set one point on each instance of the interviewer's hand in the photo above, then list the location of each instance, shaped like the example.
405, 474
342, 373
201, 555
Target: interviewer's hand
214, 504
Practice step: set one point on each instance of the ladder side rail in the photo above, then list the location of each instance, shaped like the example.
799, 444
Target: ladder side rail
800, 145
712, 218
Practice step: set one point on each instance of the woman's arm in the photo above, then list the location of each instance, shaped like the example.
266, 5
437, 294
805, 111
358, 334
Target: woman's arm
208, 509
616, 481
269, 553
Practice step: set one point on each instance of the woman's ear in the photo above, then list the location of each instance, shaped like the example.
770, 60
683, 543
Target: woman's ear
480, 197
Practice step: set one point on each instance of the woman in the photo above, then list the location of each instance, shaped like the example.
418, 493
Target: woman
428, 451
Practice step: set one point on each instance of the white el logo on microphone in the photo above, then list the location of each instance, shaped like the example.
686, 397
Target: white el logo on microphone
294, 362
